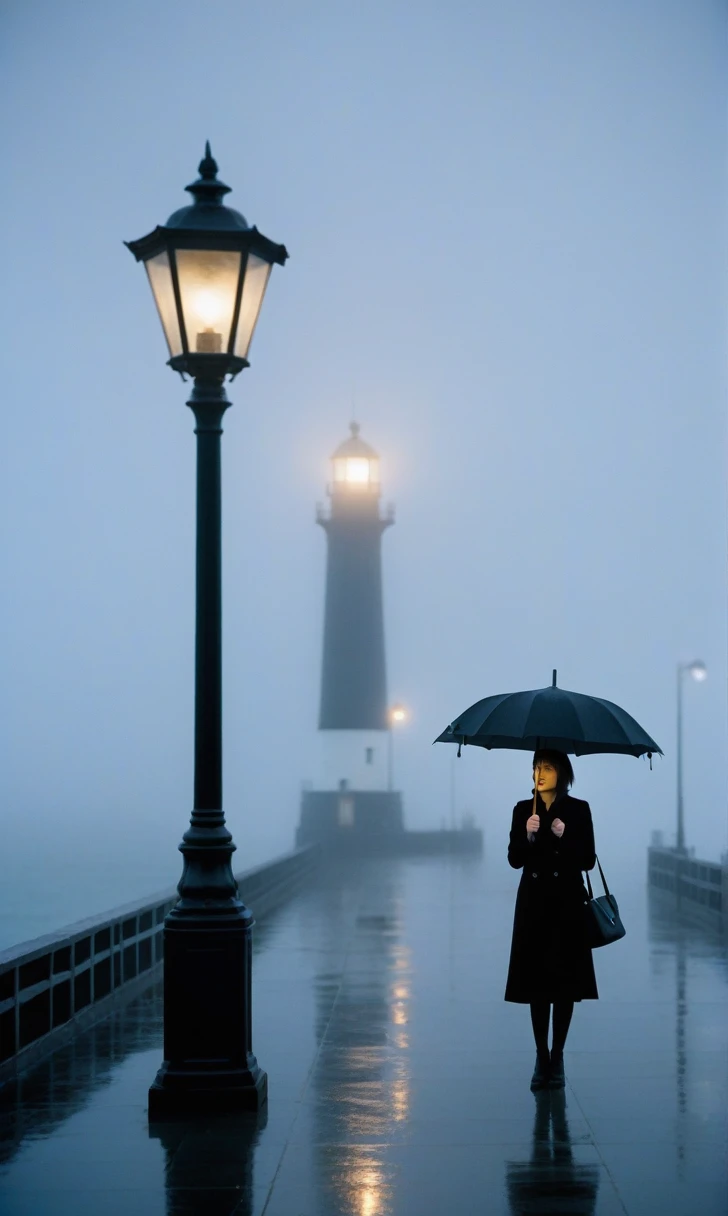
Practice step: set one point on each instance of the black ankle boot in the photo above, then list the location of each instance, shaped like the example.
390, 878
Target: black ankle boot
541, 1073
557, 1079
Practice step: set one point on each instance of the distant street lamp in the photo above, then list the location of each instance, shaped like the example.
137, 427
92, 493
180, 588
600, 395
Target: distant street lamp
208, 271
397, 714
698, 671
452, 792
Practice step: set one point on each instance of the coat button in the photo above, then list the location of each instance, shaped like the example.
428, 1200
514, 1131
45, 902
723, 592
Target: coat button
534, 874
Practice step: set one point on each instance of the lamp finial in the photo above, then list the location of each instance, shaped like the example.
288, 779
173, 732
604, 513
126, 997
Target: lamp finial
208, 165
207, 188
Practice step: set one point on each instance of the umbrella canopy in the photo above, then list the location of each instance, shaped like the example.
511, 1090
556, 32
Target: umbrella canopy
550, 717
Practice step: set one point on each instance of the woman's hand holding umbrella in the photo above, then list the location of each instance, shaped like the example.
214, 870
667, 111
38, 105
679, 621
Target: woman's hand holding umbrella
534, 823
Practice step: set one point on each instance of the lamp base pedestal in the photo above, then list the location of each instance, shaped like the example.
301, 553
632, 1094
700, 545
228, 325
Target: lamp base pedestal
208, 1062
184, 1093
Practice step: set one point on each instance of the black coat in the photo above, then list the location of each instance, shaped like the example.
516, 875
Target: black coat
550, 958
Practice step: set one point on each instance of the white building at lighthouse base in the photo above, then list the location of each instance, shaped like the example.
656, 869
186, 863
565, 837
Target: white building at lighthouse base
360, 758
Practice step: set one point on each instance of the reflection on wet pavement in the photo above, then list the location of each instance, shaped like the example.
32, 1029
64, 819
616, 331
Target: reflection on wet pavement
552, 1178
399, 1078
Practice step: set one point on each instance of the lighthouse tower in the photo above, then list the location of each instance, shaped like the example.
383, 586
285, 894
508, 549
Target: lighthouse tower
352, 798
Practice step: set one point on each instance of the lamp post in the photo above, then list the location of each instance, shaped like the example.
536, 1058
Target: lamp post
452, 792
698, 671
208, 271
397, 714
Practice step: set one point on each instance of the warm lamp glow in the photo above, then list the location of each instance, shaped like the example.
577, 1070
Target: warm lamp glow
209, 307
398, 713
208, 282
357, 470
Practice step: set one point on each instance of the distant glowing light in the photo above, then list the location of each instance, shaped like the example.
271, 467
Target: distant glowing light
357, 470
398, 713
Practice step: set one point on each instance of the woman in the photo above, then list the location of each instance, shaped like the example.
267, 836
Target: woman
551, 962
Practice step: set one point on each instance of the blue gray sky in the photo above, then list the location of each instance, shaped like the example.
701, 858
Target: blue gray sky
507, 232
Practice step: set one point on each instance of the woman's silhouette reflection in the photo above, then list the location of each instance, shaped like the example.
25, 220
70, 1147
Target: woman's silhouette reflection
551, 1183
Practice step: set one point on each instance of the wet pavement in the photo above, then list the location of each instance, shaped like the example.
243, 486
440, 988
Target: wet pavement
398, 1076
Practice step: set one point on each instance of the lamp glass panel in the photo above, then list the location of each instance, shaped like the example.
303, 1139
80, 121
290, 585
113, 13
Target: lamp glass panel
160, 281
208, 282
256, 281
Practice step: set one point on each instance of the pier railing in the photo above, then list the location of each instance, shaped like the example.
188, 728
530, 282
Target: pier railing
53, 984
700, 886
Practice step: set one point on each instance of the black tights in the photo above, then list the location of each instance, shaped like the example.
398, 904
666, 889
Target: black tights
540, 1013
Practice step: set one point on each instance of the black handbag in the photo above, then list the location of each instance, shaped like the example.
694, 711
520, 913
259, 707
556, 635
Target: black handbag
603, 922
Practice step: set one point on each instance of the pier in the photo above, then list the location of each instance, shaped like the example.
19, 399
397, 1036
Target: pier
398, 1076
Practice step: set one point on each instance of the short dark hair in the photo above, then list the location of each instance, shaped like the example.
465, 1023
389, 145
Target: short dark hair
561, 763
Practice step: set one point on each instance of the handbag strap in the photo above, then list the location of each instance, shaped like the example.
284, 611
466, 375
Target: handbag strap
604, 881
601, 875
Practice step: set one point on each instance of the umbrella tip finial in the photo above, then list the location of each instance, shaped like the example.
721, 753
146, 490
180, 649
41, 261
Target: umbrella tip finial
553, 679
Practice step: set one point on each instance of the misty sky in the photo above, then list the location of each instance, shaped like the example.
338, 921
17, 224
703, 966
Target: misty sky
506, 222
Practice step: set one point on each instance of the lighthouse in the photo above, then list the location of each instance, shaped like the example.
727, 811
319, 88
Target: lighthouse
351, 801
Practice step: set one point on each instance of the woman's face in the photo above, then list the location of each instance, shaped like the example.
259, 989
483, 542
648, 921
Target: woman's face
546, 775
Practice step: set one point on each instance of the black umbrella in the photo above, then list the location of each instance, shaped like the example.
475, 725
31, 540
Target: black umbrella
550, 717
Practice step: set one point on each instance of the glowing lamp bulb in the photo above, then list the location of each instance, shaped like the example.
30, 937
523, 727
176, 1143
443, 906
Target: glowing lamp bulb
208, 307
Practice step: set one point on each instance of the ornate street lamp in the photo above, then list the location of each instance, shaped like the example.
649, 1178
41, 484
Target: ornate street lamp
208, 271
